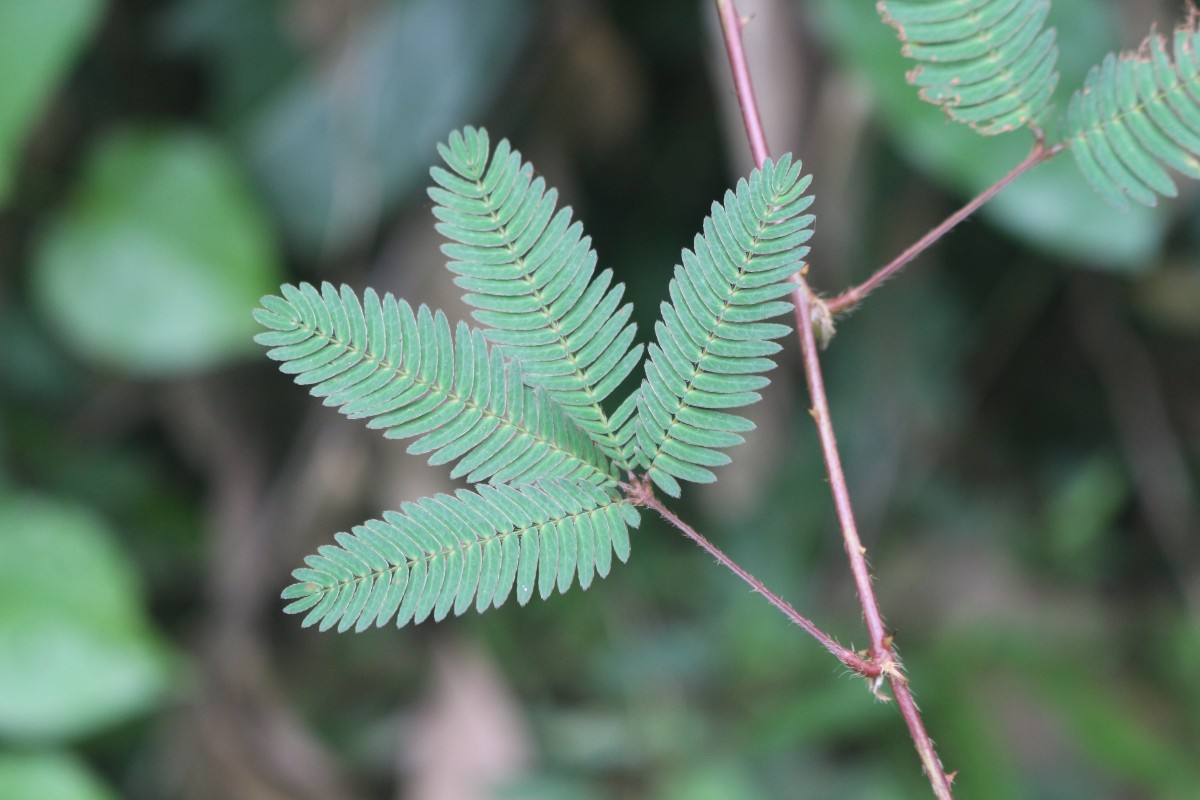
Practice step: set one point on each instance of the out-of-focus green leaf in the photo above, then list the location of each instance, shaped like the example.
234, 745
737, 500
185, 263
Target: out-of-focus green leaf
713, 780
1052, 206
1116, 729
335, 151
1083, 509
155, 263
337, 146
37, 42
52, 776
973, 746
1177, 647
76, 651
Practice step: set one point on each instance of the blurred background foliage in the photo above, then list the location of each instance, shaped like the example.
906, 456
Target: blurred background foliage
1020, 415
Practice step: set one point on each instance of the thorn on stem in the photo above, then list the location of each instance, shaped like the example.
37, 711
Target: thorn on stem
891, 669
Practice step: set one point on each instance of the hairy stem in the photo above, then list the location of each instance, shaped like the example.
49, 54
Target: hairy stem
853, 296
731, 27
881, 643
641, 493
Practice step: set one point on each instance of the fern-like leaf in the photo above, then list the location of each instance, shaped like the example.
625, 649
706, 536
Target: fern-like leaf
712, 342
447, 553
1136, 113
408, 375
987, 63
528, 271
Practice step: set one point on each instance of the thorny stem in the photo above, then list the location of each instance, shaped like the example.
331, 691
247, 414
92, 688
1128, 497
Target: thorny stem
881, 643
853, 296
641, 492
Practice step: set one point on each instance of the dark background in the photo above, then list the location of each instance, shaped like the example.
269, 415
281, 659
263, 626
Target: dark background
1019, 413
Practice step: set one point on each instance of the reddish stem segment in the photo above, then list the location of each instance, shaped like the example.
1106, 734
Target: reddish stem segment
853, 296
731, 26
837, 477
881, 645
641, 493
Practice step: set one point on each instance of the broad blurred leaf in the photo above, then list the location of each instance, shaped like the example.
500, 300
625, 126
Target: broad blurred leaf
1083, 509
714, 779
1052, 206
37, 44
159, 257
76, 651
49, 776
1117, 728
341, 143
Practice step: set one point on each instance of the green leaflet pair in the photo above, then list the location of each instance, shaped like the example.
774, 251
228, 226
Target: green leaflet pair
990, 64
522, 403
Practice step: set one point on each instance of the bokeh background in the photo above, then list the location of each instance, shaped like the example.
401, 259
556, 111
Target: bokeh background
1019, 413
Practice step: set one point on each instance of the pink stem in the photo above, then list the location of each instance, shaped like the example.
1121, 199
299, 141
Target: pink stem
853, 296
881, 643
731, 26
642, 494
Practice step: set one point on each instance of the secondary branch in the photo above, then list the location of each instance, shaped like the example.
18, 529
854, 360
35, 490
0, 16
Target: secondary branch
853, 296
641, 492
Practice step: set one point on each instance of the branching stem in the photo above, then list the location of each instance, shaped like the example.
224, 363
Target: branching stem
881, 644
641, 492
853, 296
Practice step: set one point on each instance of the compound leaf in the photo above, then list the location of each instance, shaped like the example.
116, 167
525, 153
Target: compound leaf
987, 63
446, 553
713, 341
1137, 113
410, 377
529, 272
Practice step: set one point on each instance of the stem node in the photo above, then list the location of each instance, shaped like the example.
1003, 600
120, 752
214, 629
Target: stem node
821, 319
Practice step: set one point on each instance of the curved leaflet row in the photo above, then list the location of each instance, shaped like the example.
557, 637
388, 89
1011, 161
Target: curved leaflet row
405, 372
1139, 112
528, 271
987, 63
712, 342
446, 553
